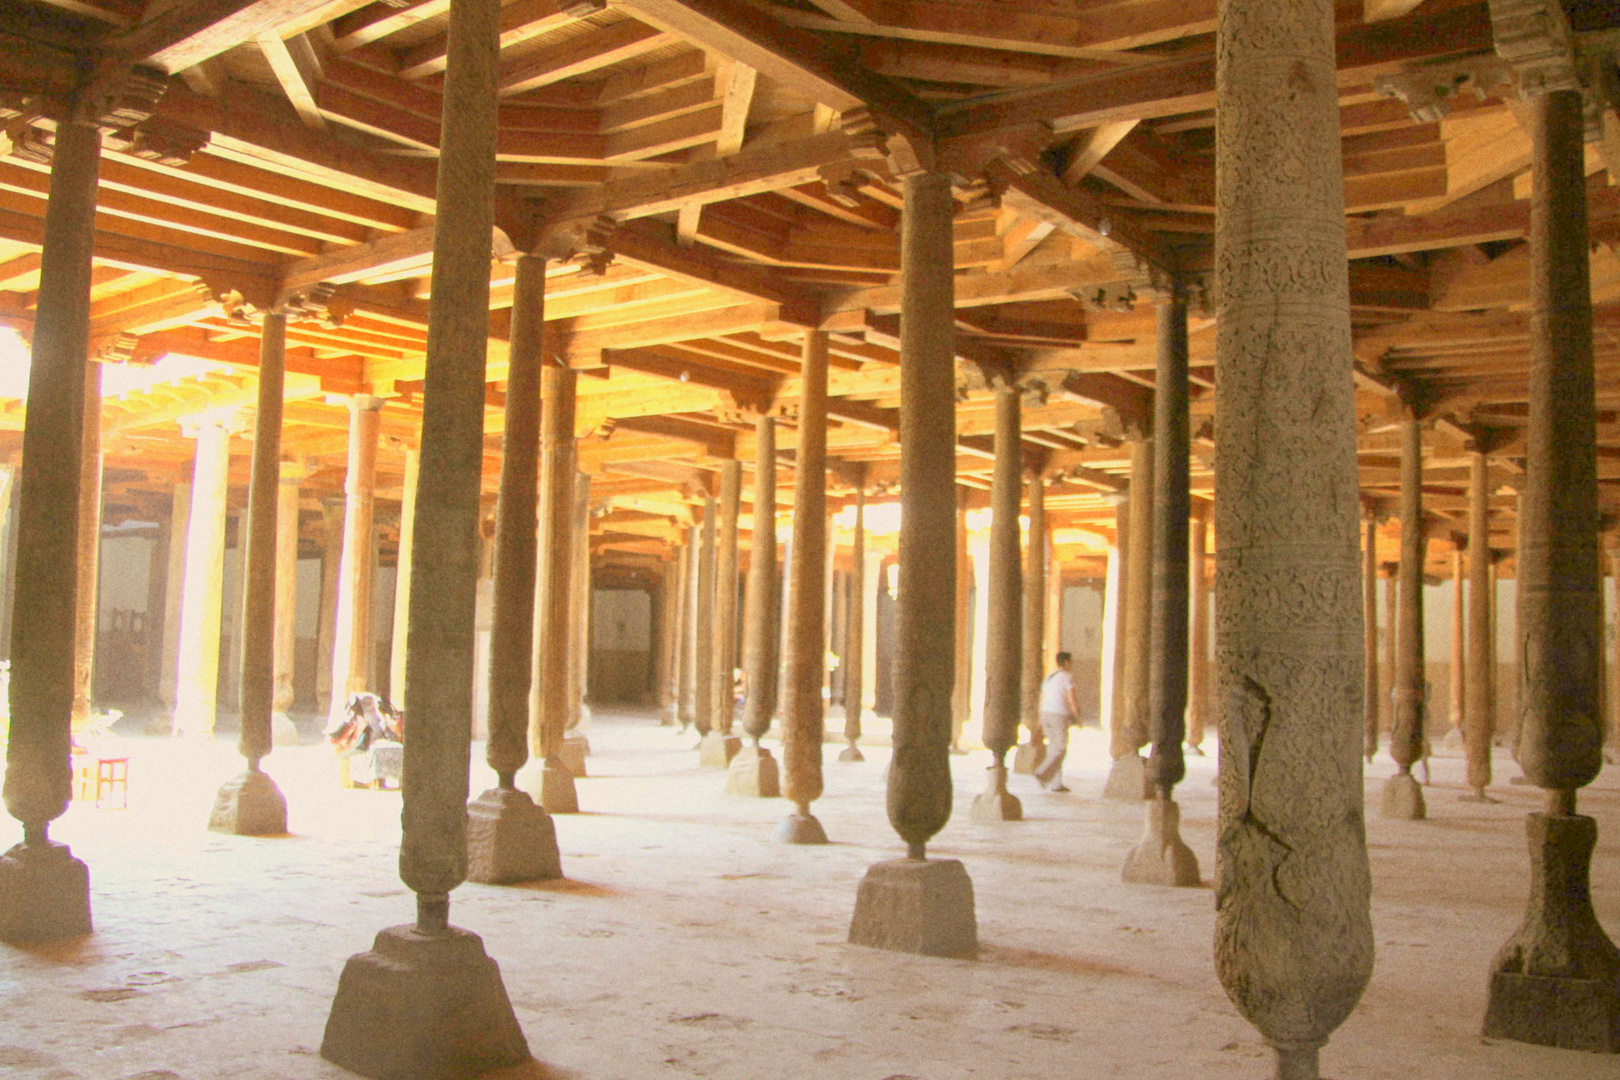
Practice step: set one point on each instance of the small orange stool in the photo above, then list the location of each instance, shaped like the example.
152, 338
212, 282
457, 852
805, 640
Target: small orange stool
101, 778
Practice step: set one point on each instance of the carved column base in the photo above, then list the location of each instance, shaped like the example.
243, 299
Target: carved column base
754, 773
996, 803
283, 732
1026, 758
851, 753
1403, 799
249, 804
800, 829
1557, 980
575, 749
44, 893
916, 906
1161, 858
1127, 780
423, 1006
551, 785
717, 749
510, 839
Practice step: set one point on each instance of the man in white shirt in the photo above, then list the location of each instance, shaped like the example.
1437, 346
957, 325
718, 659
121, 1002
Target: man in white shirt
1058, 711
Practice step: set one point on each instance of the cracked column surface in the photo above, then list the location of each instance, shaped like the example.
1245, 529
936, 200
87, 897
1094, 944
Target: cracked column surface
44, 891
802, 704
1293, 934
427, 1000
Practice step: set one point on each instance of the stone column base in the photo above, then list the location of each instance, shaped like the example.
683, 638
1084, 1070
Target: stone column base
1403, 799
916, 906
1026, 758
754, 773
1161, 858
575, 749
1557, 980
249, 804
44, 893
510, 839
423, 1006
283, 732
717, 749
552, 786
800, 829
997, 803
1127, 780
851, 753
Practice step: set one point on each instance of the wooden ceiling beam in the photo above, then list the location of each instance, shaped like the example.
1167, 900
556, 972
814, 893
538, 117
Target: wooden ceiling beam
192, 31
605, 48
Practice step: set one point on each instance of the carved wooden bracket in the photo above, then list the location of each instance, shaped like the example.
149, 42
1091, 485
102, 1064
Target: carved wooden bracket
1429, 90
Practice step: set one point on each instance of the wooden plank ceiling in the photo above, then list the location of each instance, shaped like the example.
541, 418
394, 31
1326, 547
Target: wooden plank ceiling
726, 171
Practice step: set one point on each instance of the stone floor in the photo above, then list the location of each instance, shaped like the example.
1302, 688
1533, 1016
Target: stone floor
684, 943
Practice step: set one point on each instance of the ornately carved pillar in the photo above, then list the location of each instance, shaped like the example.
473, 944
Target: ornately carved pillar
509, 838
351, 641
1479, 727
962, 643
44, 890
703, 625
1198, 632
686, 645
202, 590
1112, 653
1557, 980
1033, 656
401, 638
1293, 960
1372, 695
802, 705
250, 804
290, 475
753, 769
86, 606
1403, 797
1003, 586
382, 1023
720, 745
855, 630
1161, 857
173, 575
919, 801
326, 618
1129, 734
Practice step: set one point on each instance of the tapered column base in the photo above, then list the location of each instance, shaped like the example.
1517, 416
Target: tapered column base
1026, 758
249, 804
851, 753
423, 1006
283, 732
1127, 780
1161, 858
510, 839
997, 804
754, 773
575, 749
44, 893
916, 906
800, 829
1403, 799
1557, 980
717, 749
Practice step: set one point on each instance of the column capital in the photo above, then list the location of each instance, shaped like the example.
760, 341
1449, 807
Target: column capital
234, 420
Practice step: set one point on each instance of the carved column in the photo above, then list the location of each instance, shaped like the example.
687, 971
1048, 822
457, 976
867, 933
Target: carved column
1003, 588
1126, 779
1112, 655
1373, 696
509, 838
962, 643
1479, 721
579, 628
668, 631
753, 770
855, 631
1198, 635
351, 640
1161, 858
326, 628
686, 646
1287, 575
402, 579
872, 582
250, 804
1459, 661
548, 714
1403, 797
802, 705
1391, 584
919, 801
44, 890
173, 575
1557, 979
203, 586
382, 1023
289, 475
720, 745
86, 593
1034, 656
703, 626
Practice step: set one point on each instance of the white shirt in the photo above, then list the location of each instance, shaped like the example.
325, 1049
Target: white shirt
1055, 692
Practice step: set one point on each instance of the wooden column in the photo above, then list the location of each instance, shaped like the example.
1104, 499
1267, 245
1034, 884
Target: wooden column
351, 640
1612, 671
548, 720
382, 1023
289, 476
753, 770
401, 637
962, 640
1403, 797
855, 631
44, 891
686, 647
87, 590
326, 626
919, 800
1034, 655
1004, 600
1198, 631
872, 581
579, 627
1129, 734
250, 804
722, 743
1386, 704
802, 705
1480, 720
1372, 701
1112, 654
8, 550
174, 575
703, 626
202, 590
669, 587
1287, 575
1459, 659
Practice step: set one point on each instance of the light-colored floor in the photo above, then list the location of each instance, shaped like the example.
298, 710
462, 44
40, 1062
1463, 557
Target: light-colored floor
686, 944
